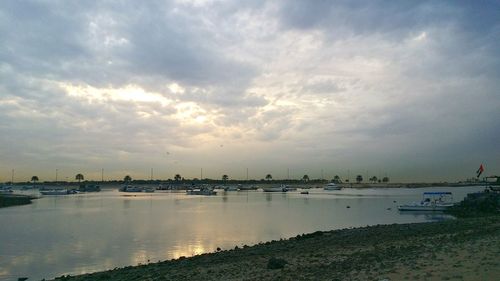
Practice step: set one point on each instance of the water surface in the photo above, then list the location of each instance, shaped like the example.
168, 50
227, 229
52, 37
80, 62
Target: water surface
96, 231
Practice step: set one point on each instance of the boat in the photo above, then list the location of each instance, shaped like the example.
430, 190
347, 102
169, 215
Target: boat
201, 191
332, 186
4, 189
89, 188
247, 187
57, 192
129, 188
149, 189
431, 201
280, 188
232, 188
164, 187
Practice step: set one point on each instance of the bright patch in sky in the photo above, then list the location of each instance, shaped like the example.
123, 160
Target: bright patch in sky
131, 93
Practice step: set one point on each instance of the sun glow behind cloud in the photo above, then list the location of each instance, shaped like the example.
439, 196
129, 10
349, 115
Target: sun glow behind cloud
131, 93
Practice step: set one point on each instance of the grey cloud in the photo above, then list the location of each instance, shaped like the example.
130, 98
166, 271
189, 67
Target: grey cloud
422, 102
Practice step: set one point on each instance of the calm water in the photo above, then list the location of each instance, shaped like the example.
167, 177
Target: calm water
91, 232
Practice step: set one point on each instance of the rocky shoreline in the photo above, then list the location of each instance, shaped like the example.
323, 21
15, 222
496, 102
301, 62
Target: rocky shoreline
462, 249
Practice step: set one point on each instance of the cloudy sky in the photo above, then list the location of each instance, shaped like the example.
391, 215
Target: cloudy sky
404, 88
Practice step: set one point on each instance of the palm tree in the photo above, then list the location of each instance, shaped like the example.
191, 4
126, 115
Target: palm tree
374, 179
305, 178
385, 179
336, 179
34, 179
177, 177
79, 177
225, 178
127, 178
269, 177
359, 178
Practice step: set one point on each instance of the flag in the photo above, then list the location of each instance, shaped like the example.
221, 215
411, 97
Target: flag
480, 170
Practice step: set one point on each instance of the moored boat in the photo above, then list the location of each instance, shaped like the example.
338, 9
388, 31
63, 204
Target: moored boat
232, 188
129, 188
431, 201
281, 188
5, 189
201, 191
332, 186
57, 192
247, 187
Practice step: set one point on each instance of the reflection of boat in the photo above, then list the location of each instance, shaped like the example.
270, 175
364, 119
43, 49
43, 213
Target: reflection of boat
431, 201
201, 191
332, 186
428, 216
281, 188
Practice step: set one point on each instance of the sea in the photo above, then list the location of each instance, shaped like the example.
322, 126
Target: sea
88, 232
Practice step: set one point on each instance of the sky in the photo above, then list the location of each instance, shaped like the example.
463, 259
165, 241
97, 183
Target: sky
407, 89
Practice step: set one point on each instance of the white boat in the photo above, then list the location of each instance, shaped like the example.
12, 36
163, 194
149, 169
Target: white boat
56, 192
201, 191
332, 186
281, 188
431, 201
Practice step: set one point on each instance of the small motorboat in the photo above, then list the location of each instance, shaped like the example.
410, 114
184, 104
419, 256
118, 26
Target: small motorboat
201, 191
431, 201
231, 188
129, 188
332, 186
57, 192
281, 188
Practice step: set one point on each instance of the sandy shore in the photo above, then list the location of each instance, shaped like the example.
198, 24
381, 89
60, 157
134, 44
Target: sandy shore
463, 249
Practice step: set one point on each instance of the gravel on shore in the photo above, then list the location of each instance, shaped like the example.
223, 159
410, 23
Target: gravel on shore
462, 249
